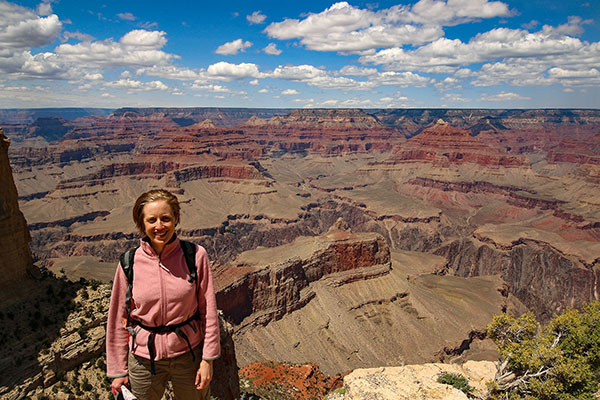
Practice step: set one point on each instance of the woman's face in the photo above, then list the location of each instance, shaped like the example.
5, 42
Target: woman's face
159, 223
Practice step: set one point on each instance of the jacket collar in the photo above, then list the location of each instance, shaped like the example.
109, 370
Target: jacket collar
169, 247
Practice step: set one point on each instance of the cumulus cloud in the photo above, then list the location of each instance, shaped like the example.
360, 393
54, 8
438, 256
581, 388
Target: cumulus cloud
272, 49
21, 28
496, 44
136, 48
453, 12
348, 29
172, 72
297, 72
289, 92
344, 28
503, 96
256, 18
234, 47
134, 85
228, 72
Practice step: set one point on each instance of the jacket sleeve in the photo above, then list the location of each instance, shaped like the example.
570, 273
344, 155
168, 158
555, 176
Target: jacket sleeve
207, 305
117, 336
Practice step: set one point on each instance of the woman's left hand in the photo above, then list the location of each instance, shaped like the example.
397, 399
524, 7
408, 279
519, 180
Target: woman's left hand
204, 374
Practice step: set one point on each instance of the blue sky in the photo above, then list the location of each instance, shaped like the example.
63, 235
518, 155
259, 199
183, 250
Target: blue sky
366, 54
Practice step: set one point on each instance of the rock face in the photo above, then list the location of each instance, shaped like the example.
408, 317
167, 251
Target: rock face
415, 382
15, 256
261, 293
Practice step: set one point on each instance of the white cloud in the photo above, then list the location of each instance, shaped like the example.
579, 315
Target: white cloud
227, 72
503, 96
347, 29
172, 72
289, 92
234, 47
254, 82
127, 16
134, 85
272, 49
256, 18
493, 45
453, 12
21, 28
353, 70
329, 103
297, 72
263, 91
136, 48
403, 79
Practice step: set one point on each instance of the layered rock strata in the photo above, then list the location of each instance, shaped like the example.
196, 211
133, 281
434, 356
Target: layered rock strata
251, 293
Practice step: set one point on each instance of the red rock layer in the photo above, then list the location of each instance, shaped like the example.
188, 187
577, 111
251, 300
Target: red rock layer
270, 379
322, 131
442, 145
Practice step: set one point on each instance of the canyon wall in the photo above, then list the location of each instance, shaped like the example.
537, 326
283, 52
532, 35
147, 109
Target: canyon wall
15, 256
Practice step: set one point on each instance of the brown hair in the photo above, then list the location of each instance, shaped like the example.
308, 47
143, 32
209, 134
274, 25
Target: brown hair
149, 197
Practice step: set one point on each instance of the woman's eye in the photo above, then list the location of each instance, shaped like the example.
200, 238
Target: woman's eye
151, 220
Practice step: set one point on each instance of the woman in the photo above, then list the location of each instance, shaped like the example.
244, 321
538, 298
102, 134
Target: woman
171, 330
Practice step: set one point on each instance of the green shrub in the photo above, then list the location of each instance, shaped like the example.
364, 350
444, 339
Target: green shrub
556, 362
457, 380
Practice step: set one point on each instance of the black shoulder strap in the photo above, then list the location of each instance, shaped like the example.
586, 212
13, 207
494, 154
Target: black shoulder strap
189, 250
126, 260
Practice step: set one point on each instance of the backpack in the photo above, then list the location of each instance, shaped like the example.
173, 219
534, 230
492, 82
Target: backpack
126, 259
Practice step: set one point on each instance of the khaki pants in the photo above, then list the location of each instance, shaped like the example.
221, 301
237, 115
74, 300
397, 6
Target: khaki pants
181, 371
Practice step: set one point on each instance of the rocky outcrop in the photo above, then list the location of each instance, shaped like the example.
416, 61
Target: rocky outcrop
55, 346
262, 293
15, 256
175, 178
415, 382
271, 380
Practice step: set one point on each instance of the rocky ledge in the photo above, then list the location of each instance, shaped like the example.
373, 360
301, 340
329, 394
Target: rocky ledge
414, 382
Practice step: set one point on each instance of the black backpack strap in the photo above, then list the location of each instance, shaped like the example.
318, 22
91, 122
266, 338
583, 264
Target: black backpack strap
189, 250
126, 260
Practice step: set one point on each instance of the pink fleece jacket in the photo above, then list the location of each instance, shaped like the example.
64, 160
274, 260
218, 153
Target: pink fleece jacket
162, 295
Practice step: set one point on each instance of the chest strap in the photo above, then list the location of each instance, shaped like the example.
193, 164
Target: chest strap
166, 329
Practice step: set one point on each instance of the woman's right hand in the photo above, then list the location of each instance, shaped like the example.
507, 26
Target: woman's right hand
117, 382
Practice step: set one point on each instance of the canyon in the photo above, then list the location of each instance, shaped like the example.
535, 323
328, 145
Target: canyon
347, 238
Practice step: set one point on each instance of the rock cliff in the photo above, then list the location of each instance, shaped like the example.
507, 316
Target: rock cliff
15, 256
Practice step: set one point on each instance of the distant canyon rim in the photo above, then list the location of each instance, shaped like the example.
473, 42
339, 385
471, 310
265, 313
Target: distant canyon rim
350, 238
